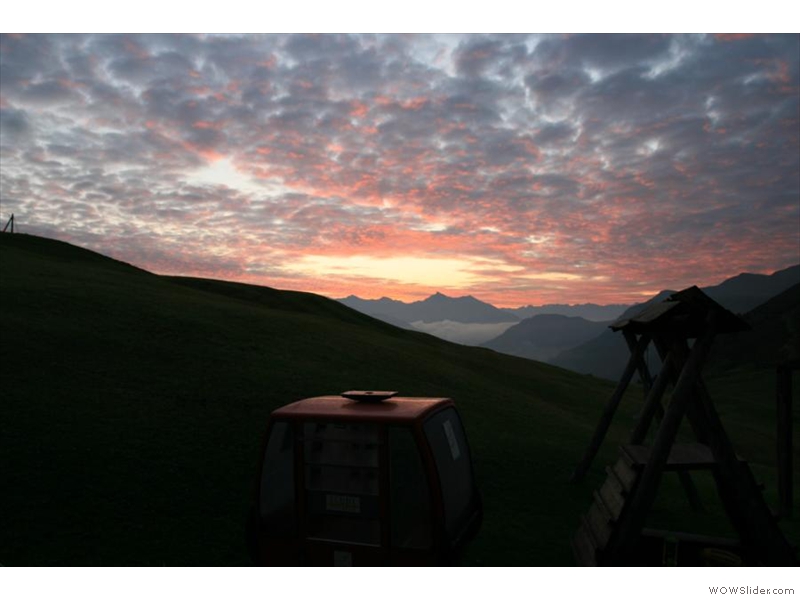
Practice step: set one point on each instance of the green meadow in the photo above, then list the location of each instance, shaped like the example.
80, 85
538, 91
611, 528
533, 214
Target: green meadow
132, 407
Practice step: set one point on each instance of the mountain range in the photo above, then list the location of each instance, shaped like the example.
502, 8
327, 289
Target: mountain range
571, 336
438, 307
464, 320
467, 320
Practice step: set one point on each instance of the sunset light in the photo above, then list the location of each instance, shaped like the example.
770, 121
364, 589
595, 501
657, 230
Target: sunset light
436, 273
518, 169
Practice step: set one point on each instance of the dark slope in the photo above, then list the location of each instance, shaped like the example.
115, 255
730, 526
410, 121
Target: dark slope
133, 408
542, 337
295, 302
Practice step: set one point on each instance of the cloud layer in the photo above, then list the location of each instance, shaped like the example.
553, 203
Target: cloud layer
519, 169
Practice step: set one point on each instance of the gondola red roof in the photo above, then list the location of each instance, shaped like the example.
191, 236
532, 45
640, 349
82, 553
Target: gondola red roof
395, 409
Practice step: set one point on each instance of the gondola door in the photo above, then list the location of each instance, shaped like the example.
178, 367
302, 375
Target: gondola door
343, 489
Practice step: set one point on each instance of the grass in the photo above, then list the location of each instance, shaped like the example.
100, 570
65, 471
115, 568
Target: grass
133, 407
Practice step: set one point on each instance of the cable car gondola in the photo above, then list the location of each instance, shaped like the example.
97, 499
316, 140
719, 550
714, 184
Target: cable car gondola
364, 478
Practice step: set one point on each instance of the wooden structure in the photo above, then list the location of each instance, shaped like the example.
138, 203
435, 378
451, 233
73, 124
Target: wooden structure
612, 532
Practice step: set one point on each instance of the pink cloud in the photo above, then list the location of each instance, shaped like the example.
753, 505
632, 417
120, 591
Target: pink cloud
733, 37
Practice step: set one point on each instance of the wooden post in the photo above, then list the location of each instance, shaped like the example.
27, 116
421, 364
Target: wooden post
610, 409
784, 440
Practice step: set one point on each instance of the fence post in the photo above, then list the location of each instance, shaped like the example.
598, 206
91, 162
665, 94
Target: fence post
784, 438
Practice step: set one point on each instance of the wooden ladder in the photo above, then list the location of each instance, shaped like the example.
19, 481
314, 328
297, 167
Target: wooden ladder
604, 537
597, 526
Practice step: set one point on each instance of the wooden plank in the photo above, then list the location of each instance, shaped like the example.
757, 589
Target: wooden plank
613, 482
632, 454
598, 522
681, 456
611, 408
583, 553
583, 548
612, 499
625, 474
603, 505
588, 529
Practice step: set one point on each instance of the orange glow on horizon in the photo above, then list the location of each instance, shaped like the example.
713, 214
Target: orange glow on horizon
519, 171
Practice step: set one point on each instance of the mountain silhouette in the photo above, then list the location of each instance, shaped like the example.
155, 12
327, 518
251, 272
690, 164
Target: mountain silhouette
607, 354
542, 337
435, 308
588, 311
773, 339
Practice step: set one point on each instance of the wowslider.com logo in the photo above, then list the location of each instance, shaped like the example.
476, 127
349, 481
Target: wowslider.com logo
746, 590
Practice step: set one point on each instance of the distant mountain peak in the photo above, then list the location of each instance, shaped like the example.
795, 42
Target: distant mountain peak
470, 297
438, 307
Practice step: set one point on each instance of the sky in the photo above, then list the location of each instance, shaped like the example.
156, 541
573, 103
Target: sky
520, 169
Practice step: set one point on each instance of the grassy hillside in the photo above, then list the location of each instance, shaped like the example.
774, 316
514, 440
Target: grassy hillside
773, 339
133, 406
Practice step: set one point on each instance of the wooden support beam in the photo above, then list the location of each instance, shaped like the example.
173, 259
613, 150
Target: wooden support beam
10, 223
652, 403
738, 490
680, 351
784, 440
641, 366
610, 409
632, 522
690, 489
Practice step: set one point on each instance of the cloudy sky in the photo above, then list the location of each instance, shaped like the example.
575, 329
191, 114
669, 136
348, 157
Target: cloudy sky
519, 169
